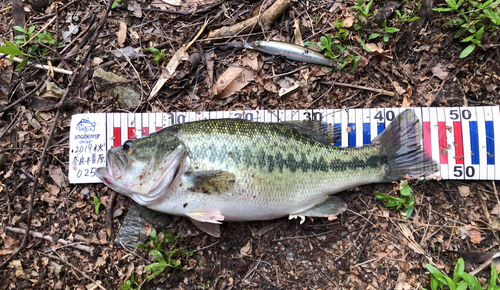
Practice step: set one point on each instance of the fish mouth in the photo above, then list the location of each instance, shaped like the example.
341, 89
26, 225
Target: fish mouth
112, 172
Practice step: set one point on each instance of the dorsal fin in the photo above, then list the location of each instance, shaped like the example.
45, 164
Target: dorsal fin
319, 131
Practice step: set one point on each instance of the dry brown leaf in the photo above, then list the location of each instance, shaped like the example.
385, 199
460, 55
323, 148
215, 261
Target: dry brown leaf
232, 80
297, 33
246, 250
209, 56
287, 85
173, 2
136, 8
378, 50
475, 236
438, 70
58, 176
348, 21
464, 190
122, 33
18, 269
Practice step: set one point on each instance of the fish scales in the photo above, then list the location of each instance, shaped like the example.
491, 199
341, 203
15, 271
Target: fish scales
237, 170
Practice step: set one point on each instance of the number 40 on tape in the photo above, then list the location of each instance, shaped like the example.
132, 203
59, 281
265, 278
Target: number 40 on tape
461, 139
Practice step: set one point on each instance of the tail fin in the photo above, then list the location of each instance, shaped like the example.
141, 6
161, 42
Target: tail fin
400, 144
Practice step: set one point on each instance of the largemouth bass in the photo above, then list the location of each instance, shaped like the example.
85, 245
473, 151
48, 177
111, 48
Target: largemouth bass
238, 170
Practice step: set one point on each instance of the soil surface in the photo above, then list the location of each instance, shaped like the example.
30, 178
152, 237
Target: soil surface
367, 247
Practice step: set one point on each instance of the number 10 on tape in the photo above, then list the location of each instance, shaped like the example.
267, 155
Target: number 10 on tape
461, 139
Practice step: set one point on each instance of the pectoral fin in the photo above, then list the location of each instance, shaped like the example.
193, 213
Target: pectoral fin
331, 206
209, 228
210, 181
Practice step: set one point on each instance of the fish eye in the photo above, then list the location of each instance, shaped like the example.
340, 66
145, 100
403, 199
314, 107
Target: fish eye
127, 145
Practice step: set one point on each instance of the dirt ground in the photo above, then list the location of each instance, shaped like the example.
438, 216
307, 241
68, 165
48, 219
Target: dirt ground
368, 247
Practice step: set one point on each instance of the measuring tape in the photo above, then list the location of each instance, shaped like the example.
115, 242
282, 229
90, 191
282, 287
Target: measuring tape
460, 139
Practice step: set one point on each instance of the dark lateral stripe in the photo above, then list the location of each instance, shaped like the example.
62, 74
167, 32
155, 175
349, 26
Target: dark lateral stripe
279, 162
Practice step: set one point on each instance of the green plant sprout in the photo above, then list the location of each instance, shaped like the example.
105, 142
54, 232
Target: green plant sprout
406, 201
461, 280
159, 55
479, 18
14, 49
364, 13
171, 259
115, 3
386, 29
97, 204
326, 44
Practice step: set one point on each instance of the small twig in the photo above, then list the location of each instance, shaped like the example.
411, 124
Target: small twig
74, 268
206, 247
6, 8
383, 92
45, 67
49, 238
57, 53
38, 87
287, 73
484, 265
363, 247
185, 13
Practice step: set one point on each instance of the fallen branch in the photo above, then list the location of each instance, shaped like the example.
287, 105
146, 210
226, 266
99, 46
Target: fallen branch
45, 67
263, 21
109, 214
41, 165
49, 238
380, 91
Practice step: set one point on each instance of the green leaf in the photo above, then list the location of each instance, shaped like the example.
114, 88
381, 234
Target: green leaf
442, 9
479, 33
391, 29
20, 29
452, 4
468, 50
386, 37
405, 189
434, 283
373, 35
437, 274
494, 17
473, 283
22, 63
409, 206
459, 268
462, 285
11, 49
460, 2
97, 203
413, 19
471, 37
127, 285
363, 45
492, 283
309, 43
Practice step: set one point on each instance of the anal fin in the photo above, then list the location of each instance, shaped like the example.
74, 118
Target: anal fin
209, 228
213, 217
331, 206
